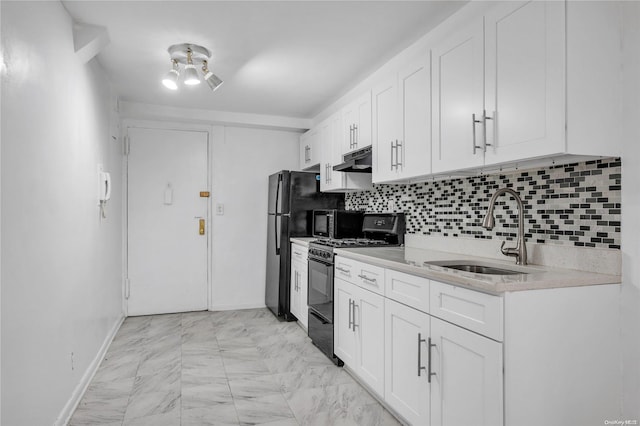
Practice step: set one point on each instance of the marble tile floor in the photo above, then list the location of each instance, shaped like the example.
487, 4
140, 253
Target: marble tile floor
222, 368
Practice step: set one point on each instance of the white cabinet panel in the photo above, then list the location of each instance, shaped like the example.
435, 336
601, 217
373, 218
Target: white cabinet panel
369, 325
406, 357
479, 312
408, 289
458, 86
414, 84
524, 80
310, 148
298, 293
385, 133
466, 388
356, 124
344, 336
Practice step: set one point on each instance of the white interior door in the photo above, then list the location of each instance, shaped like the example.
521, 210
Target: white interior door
167, 249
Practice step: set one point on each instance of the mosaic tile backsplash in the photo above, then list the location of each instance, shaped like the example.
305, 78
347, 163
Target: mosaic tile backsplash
576, 204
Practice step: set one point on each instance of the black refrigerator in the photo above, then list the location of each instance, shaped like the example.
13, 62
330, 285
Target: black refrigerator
292, 198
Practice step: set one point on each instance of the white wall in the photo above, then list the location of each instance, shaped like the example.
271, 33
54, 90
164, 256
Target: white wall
61, 265
242, 161
630, 299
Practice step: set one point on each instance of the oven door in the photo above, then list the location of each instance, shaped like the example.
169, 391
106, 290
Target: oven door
320, 294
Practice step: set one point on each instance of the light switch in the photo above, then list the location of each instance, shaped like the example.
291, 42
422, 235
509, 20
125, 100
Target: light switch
220, 209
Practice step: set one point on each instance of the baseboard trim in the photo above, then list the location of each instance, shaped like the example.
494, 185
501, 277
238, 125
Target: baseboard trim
236, 307
71, 405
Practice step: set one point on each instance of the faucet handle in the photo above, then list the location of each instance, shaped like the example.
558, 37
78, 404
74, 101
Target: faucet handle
509, 251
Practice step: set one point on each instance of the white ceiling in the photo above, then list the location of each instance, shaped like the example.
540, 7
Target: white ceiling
287, 58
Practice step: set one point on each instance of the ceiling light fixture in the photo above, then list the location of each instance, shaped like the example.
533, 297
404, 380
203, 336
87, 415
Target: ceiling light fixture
190, 55
170, 80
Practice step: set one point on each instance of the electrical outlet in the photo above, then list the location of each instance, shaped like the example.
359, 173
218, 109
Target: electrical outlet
72, 362
220, 209
391, 205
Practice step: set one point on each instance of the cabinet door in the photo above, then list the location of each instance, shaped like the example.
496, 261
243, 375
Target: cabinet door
406, 387
524, 84
326, 159
414, 83
385, 130
344, 336
349, 120
369, 325
458, 84
303, 280
294, 295
363, 124
305, 145
315, 147
466, 388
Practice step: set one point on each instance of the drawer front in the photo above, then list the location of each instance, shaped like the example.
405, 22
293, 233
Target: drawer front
361, 274
345, 269
475, 311
408, 289
299, 253
370, 277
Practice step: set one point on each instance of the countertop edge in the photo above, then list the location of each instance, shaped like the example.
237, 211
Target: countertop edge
303, 241
553, 277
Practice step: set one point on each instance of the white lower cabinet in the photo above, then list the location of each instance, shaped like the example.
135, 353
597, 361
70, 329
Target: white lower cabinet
443, 355
298, 282
466, 385
359, 332
406, 387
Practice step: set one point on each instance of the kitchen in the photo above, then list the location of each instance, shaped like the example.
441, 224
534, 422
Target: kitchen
61, 116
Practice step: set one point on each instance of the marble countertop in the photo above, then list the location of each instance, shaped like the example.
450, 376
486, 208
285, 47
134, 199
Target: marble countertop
534, 277
303, 241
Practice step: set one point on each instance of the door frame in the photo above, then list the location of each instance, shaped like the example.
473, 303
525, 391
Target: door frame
164, 125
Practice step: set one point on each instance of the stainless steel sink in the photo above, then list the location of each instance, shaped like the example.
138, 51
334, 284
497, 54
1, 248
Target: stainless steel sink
475, 268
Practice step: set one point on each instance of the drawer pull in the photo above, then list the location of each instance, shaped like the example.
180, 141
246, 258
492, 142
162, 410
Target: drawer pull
344, 271
297, 253
366, 278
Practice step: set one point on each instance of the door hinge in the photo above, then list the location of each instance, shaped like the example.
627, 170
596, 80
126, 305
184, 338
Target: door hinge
127, 145
127, 288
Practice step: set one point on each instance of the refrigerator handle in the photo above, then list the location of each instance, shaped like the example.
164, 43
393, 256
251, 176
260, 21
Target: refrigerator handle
275, 222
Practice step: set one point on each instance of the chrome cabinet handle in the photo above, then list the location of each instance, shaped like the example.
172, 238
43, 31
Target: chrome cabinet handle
473, 125
297, 253
429, 373
484, 129
366, 278
392, 148
398, 146
354, 317
350, 321
355, 136
351, 136
420, 342
344, 271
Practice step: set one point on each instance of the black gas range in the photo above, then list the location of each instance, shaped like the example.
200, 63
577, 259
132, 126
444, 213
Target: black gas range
378, 230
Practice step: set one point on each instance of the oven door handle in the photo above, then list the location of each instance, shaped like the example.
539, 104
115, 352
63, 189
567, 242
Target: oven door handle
322, 262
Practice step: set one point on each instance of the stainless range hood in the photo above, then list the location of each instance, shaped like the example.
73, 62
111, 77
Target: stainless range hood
356, 162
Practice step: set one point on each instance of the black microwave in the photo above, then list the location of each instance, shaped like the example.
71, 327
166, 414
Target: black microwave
337, 224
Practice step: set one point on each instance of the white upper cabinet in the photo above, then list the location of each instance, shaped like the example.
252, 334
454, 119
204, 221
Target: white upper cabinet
310, 147
385, 133
356, 122
402, 122
524, 82
458, 98
515, 81
331, 137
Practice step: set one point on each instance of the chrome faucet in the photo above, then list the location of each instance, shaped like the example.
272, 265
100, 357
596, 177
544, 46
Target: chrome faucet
520, 250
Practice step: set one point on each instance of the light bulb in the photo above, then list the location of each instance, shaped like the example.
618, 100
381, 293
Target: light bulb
170, 80
191, 75
212, 80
